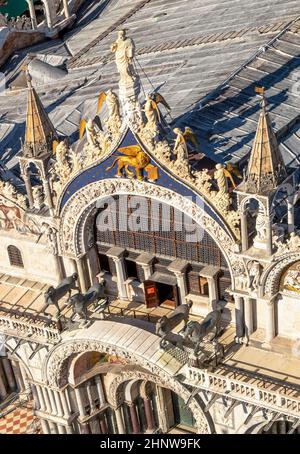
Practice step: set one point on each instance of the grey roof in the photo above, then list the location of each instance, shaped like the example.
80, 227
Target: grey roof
188, 49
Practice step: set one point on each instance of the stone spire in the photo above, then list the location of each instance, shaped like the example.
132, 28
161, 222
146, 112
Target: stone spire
40, 133
266, 169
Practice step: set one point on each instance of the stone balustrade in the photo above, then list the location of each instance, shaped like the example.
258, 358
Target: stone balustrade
254, 393
30, 329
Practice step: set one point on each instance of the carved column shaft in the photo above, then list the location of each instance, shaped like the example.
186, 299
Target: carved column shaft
81, 274
120, 422
181, 282
291, 215
66, 9
121, 277
41, 400
28, 187
244, 231
248, 307
100, 389
134, 418
149, 414
79, 402
239, 316
48, 195
270, 321
32, 14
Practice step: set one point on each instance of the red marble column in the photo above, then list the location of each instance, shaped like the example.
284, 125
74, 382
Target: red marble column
103, 425
149, 414
134, 418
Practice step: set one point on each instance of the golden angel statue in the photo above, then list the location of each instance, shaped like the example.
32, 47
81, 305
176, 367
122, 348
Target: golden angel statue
180, 147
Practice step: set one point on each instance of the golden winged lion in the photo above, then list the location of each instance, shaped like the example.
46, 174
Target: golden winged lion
133, 157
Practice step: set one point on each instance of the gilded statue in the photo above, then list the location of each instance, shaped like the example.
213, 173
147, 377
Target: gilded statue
91, 133
221, 175
124, 51
133, 157
152, 111
111, 100
183, 137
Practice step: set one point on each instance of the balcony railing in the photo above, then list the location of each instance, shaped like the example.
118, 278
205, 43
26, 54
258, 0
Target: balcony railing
285, 399
24, 326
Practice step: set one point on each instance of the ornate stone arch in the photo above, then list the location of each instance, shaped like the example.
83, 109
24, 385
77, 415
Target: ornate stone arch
55, 374
270, 279
77, 211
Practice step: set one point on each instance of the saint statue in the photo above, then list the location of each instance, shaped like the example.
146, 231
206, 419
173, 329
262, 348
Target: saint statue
124, 50
220, 177
113, 105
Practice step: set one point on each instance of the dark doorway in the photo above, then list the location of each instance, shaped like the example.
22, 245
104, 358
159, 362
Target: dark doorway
167, 295
160, 294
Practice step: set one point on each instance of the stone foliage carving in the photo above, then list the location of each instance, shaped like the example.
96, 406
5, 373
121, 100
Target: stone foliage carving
55, 373
17, 23
292, 244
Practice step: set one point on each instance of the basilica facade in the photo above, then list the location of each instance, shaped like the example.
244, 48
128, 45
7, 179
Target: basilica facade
124, 208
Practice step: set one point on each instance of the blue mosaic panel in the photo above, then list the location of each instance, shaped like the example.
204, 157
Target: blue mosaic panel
98, 172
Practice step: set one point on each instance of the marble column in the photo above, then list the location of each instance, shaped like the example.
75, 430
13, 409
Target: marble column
120, 422
61, 429
181, 282
81, 274
41, 399
291, 215
161, 407
52, 401
47, 400
149, 414
66, 9
45, 426
64, 401
103, 424
239, 316
85, 428
69, 430
134, 418
244, 231
100, 390
60, 411
28, 188
269, 235
248, 308
90, 396
48, 14
270, 321
9, 373
32, 14
48, 195
121, 277
79, 402
53, 427
212, 291
3, 392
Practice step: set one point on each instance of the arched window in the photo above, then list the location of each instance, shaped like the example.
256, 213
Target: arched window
15, 256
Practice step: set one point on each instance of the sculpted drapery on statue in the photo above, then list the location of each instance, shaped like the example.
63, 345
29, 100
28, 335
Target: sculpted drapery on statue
124, 50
